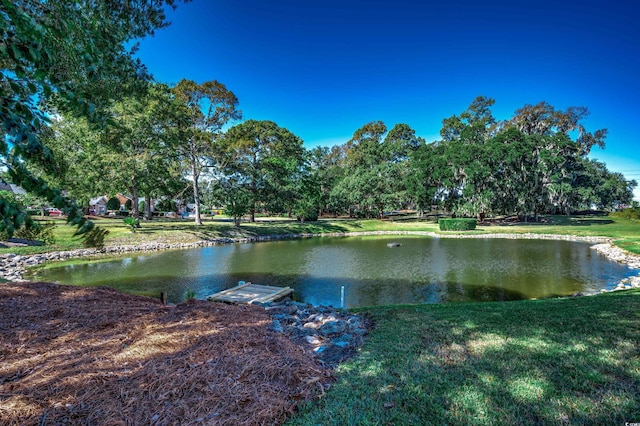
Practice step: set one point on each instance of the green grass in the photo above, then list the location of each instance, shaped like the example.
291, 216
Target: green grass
179, 231
559, 361
626, 232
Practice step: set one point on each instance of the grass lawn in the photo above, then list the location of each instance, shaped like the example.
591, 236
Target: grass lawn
626, 232
560, 361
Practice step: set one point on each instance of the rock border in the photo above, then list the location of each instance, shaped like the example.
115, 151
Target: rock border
331, 335
13, 267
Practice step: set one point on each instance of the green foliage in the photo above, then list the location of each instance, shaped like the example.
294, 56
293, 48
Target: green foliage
205, 108
632, 213
12, 216
457, 224
113, 204
189, 294
306, 211
95, 238
132, 222
376, 168
128, 204
167, 205
70, 57
265, 160
37, 232
238, 202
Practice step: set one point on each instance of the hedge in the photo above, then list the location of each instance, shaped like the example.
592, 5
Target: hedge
457, 224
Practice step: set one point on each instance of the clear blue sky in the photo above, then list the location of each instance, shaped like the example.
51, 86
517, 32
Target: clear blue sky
322, 69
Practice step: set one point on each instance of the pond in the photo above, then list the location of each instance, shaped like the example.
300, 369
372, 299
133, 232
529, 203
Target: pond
420, 270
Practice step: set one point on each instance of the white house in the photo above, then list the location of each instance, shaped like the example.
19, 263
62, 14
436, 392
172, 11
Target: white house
98, 205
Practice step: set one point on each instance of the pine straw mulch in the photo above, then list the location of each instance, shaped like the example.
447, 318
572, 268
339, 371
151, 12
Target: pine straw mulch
95, 356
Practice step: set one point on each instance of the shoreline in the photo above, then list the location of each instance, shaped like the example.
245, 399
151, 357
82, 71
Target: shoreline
12, 266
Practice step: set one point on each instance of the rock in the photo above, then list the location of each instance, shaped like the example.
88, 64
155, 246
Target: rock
333, 327
284, 317
343, 341
320, 349
277, 326
332, 335
312, 340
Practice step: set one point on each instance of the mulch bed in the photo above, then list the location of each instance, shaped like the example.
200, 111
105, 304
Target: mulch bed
95, 356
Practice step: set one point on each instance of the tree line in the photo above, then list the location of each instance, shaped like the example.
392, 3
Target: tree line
169, 143
80, 113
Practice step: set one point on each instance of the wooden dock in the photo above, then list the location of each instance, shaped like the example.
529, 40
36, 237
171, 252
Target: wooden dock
250, 293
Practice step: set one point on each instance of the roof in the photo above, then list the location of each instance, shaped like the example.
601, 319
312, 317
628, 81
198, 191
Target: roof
15, 189
98, 200
123, 198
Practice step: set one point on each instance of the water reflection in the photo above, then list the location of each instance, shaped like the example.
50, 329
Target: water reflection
421, 270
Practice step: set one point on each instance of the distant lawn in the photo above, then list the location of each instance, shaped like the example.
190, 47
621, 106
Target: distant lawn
625, 231
559, 361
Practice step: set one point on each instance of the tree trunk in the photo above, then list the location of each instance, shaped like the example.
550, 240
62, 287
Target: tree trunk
135, 211
196, 192
254, 191
147, 208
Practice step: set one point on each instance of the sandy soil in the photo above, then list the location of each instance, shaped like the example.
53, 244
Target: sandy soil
95, 356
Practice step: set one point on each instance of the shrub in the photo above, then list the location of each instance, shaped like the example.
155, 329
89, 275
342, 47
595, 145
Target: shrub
630, 213
166, 206
457, 224
113, 204
5, 235
306, 211
95, 238
132, 223
37, 232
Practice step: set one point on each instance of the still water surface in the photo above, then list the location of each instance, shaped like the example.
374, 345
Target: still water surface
421, 270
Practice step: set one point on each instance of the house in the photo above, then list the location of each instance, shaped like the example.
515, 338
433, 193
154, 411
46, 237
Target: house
98, 205
9, 187
123, 201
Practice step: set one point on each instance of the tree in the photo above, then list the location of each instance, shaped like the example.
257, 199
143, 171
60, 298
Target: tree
377, 168
264, 159
135, 152
543, 119
210, 106
421, 181
236, 198
475, 124
596, 186
113, 203
326, 167
141, 143
72, 55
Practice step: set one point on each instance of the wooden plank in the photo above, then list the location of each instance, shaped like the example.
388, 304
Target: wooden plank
229, 290
277, 295
249, 293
